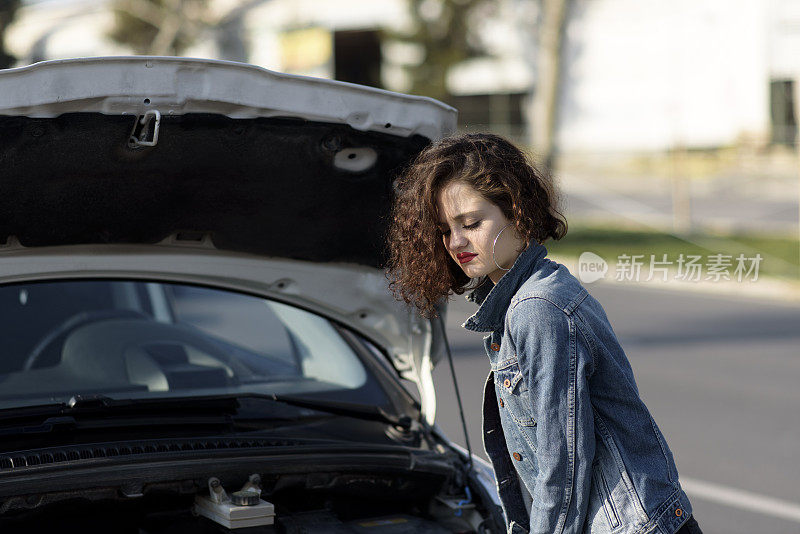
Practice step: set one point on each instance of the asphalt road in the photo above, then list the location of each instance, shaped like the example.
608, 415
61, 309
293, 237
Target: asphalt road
721, 376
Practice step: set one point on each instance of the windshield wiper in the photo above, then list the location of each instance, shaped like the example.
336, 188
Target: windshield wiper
91, 411
360, 411
96, 403
184, 410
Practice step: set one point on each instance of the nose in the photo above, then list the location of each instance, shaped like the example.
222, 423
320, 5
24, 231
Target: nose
457, 240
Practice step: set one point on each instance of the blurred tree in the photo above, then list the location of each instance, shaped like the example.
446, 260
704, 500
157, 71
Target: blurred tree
8, 8
543, 113
169, 27
158, 27
445, 31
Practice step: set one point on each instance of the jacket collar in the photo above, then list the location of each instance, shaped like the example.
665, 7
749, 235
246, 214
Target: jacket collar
494, 299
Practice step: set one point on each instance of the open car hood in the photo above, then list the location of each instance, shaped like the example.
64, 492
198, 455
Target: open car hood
216, 173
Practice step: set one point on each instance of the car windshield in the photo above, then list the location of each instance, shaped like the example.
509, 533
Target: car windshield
133, 339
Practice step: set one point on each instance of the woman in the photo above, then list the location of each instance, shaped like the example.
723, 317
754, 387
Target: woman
574, 448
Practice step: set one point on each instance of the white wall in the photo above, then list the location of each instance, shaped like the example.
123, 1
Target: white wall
653, 74
785, 38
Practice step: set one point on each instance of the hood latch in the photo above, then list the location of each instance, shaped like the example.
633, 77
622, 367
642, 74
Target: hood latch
145, 129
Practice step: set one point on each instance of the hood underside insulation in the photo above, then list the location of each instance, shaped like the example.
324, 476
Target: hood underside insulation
271, 187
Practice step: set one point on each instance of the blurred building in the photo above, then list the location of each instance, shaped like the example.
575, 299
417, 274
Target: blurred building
639, 75
645, 75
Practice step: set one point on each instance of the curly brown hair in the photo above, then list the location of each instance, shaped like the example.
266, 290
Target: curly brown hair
496, 169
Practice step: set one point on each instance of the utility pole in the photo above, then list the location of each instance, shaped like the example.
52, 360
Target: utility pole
681, 194
543, 114
796, 102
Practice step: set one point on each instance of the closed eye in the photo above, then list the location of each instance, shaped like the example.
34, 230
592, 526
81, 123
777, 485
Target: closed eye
446, 231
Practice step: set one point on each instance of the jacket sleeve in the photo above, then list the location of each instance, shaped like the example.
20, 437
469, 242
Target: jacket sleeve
555, 361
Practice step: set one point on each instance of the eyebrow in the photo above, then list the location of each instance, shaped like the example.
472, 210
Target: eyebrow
463, 216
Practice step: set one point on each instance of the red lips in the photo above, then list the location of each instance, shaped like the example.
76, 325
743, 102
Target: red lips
464, 257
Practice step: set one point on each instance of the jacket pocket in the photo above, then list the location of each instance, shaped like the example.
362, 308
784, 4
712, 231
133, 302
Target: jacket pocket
604, 494
513, 393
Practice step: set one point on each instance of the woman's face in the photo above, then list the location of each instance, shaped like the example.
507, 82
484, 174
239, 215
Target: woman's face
469, 224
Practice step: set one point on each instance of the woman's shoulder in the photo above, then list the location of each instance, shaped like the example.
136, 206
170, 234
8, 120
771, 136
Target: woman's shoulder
549, 287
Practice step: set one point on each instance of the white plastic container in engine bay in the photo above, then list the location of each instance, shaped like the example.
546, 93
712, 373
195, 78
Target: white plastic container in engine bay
243, 508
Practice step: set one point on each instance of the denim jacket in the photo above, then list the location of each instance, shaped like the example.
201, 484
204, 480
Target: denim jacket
574, 448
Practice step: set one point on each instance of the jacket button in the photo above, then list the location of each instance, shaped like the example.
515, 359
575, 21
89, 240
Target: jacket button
507, 383
495, 347
517, 456
501, 402
678, 512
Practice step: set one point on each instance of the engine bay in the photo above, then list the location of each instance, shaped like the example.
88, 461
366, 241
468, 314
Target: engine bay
301, 503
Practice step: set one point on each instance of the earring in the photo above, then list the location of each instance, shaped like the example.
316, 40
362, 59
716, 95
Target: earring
494, 244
